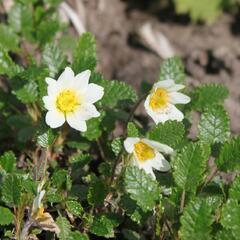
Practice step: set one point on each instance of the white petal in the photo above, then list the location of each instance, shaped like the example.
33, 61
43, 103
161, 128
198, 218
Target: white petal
50, 81
147, 167
81, 80
76, 122
176, 88
158, 146
176, 97
174, 114
66, 78
87, 111
49, 102
164, 84
160, 163
94, 93
55, 119
129, 144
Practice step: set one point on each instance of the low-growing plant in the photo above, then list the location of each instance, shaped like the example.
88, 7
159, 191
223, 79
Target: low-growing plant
78, 163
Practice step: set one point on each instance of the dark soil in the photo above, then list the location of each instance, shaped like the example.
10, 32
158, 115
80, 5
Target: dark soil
211, 53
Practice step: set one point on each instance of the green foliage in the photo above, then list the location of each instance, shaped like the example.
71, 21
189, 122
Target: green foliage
214, 125
170, 133
65, 228
141, 188
213, 92
203, 10
11, 189
9, 40
229, 157
172, 68
8, 161
132, 130
6, 216
74, 208
85, 53
230, 218
189, 166
53, 58
196, 221
46, 139
234, 191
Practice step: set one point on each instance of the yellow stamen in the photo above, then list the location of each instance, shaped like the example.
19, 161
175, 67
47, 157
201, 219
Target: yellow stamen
40, 213
67, 101
159, 99
143, 151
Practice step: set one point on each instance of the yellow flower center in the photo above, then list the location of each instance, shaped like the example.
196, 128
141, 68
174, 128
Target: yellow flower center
159, 99
40, 213
143, 151
67, 101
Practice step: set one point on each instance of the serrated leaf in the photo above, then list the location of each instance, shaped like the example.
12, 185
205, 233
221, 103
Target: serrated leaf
28, 93
172, 68
196, 221
141, 187
6, 216
8, 40
7, 66
8, 161
53, 58
189, 166
170, 133
78, 236
11, 189
97, 192
214, 125
234, 191
225, 235
209, 94
46, 139
229, 157
116, 146
230, 218
74, 207
84, 56
102, 226
65, 228
132, 130
61, 179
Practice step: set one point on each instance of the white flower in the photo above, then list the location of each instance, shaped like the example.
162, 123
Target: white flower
71, 99
146, 154
160, 102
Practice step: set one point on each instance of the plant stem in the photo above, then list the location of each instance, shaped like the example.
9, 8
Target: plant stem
182, 201
25, 230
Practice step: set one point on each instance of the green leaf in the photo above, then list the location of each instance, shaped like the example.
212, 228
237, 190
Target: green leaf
173, 69
230, 218
170, 133
78, 236
47, 30
6, 216
229, 157
132, 235
8, 40
225, 235
208, 95
234, 191
74, 207
53, 58
61, 179
203, 10
46, 139
11, 190
116, 146
84, 56
190, 165
65, 228
132, 130
97, 192
102, 226
28, 93
141, 187
7, 66
196, 221
8, 161
214, 125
